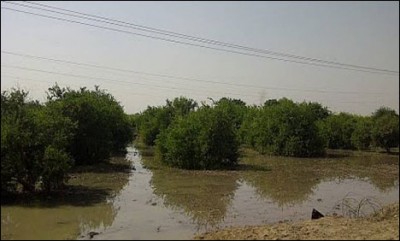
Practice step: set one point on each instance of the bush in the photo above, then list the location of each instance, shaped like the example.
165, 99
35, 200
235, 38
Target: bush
248, 130
288, 129
102, 126
151, 122
33, 141
338, 130
204, 139
234, 109
156, 119
361, 137
385, 131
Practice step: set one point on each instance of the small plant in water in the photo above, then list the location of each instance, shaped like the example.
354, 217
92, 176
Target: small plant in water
354, 206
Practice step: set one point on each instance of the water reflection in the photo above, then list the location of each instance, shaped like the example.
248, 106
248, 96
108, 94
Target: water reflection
283, 187
78, 210
381, 170
204, 196
263, 189
64, 222
291, 181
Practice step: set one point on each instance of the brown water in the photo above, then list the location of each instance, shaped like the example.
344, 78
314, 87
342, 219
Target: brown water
174, 204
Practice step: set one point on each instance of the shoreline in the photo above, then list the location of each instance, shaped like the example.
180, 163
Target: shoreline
384, 224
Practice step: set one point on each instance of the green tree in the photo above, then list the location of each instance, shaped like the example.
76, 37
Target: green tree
383, 111
234, 109
317, 110
33, 144
205, 139
151, 122
270, 102
337, 129
385, 131
181, 106
154, 120
288, 129
102, 126
361, 137
248, 129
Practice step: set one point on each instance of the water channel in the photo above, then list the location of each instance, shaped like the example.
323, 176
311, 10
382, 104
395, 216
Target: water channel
168, 203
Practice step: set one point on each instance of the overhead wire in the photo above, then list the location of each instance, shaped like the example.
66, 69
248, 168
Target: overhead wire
182, 78
197, 45
141, 94
192, 38
243, 48
115, 80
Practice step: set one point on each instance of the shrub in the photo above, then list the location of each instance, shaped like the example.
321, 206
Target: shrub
156, 119
30, 135
102, 126
289, 129
361, 137
385, 131
337, 129
204, 139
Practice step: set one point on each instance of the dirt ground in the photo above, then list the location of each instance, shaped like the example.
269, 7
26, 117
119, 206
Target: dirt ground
382, 225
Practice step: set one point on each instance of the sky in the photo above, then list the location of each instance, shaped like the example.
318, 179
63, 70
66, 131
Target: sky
357, 33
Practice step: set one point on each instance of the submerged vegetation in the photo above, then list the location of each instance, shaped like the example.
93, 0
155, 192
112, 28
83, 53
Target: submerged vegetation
67, 146
40, 142
208, 137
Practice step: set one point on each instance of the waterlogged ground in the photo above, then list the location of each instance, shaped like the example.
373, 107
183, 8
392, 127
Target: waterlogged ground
154, 202
87, 204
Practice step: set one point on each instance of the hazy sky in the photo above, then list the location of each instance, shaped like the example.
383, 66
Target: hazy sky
359, 33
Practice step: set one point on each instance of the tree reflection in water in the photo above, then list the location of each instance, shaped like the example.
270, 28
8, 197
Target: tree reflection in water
289, 181
203, 195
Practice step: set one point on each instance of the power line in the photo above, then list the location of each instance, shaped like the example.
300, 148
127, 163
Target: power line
182, 78
113, 80
193, 38
50, 82
196, 45
133, 93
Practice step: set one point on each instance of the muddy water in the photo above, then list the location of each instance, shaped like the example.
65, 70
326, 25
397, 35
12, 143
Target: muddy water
165, 203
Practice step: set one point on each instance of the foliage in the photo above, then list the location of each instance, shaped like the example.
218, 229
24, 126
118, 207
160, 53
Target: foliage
248, 130
337, 129
383, 111
317, 110
361, 137
134, 124
385, 131
156, 119
181, 106
204, 139
270, 102
234, 109
102, 126
284, 128
33, 144
151, 122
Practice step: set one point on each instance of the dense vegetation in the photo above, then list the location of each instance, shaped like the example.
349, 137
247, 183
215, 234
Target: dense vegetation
205, 139
40, 142
208, 137
285, 128
156, 119
102, 126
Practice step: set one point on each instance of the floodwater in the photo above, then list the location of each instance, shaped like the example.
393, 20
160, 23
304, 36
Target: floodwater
166, 203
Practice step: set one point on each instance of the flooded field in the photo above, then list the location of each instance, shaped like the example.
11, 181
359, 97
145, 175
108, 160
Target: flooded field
154, 202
